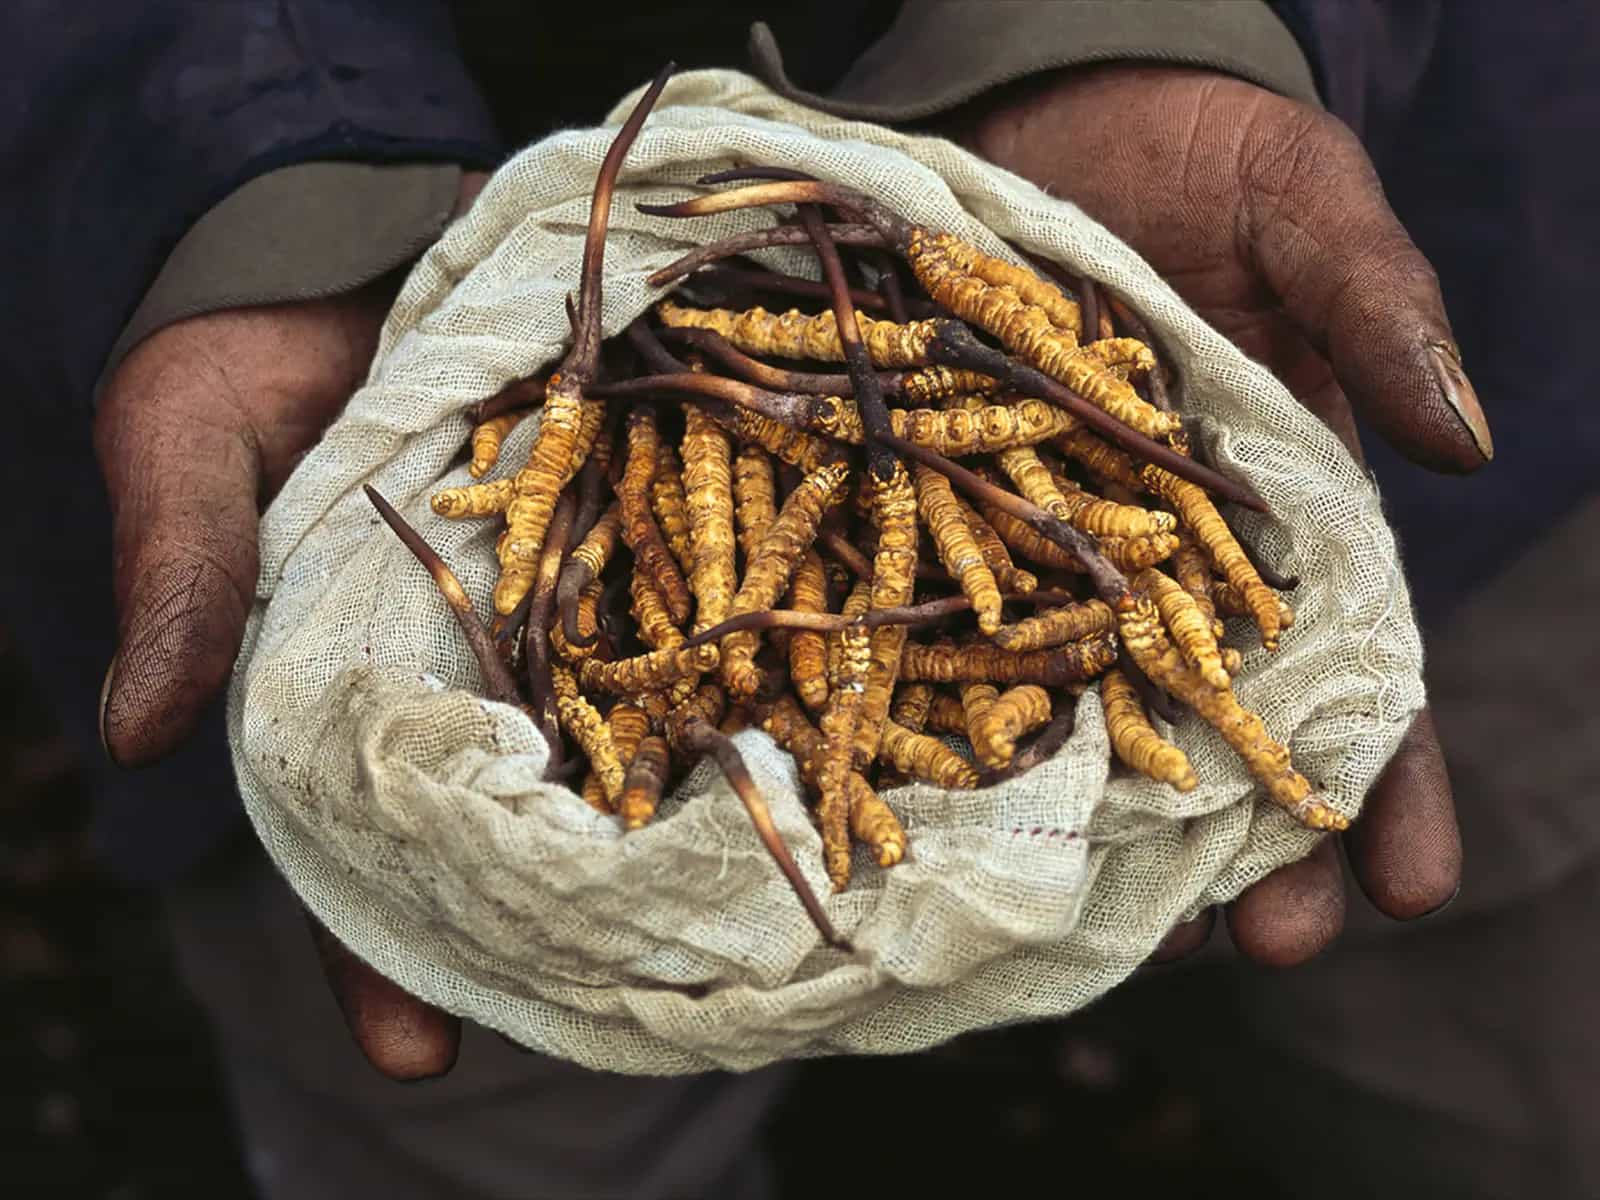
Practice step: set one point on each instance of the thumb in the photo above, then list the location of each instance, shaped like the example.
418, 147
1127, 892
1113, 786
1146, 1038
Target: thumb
1323, 237
182, 470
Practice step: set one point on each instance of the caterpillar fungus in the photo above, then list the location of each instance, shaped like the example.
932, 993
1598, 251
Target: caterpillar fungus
645, 588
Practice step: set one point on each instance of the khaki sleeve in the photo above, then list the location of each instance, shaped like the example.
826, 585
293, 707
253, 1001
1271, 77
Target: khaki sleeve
301, 232
941, 53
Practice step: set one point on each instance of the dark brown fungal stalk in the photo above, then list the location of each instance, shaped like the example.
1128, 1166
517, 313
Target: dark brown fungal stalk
560, 428
1136, 327
881, 463
928, 613
716, 347
527, 392
889, 287
700, 738
759, 239
592, 482
648, 346
1089, 306
779, 283
856, 561
791, 410
536, 647
498, 681
1155, 699
506, 632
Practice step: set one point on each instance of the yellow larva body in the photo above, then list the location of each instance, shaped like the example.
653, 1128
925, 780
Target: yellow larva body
1074, 662
1007, 575
1016, 712
1103, 459
958, 549
977, 698
856, 603
550, 464
871, 820
644, 781
755, 497
628, 726
839, 720
948, 714
954, 433
1128, 353
708, 485
1193, 573
793, 446
588, 728
911, 704
1031, 288
768, 572
655, 625
1134, 739
706, 702
639, 529
894, 572
1027, 331
670, 506
1107, 518
588, 626
475, 500
598, 544
921, 757
808, 650
795, 334
1057, 626
927, 386
1266, 759
1126, 554
1191, 631
1230, 603
1200, 515
654, 670
486, 439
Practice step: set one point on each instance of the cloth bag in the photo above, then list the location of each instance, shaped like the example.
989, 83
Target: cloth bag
410, 816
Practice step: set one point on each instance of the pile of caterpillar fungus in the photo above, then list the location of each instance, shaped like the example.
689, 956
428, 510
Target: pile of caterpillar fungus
943, 544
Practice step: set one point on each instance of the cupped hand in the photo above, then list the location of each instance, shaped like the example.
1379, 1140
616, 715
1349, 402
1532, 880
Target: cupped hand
197, 429
1268, 218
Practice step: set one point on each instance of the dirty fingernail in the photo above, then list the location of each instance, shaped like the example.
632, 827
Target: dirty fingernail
105, 700
1459, 394
1448, 901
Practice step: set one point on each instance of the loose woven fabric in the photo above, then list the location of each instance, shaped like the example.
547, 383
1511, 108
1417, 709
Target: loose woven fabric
410, 816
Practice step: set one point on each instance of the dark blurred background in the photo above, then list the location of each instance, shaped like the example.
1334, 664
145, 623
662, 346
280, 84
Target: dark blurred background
109, 1089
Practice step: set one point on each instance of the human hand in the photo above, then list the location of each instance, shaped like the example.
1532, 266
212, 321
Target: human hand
197, 429
1268, 218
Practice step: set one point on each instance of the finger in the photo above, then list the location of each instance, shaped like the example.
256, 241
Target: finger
1405, 850
404, 1038
1184, 939
1293, 914
1317, 226
182, 473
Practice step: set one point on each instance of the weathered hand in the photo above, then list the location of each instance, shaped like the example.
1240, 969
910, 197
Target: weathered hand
197, 429
1267, 216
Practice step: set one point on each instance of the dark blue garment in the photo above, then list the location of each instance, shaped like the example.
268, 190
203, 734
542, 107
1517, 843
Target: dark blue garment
124, 122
